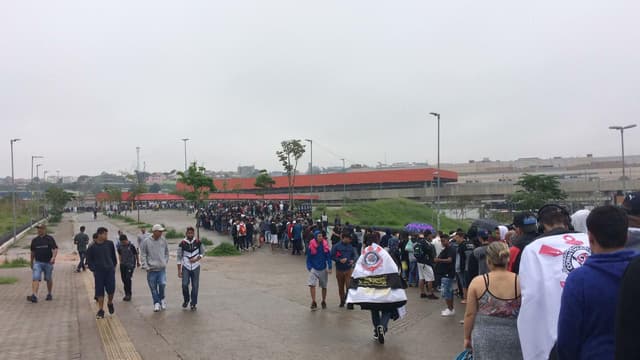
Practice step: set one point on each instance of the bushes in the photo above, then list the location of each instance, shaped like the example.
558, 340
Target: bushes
15, 263
173, 234
224, 249
206, 242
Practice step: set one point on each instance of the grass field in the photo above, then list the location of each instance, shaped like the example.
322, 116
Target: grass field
6, 215
7, 280
393, 213
15, 263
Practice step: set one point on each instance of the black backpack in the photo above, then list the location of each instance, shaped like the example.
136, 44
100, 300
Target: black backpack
421, 252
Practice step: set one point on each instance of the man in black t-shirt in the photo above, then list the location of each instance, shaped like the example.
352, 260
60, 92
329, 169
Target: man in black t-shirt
445, 263
43, 256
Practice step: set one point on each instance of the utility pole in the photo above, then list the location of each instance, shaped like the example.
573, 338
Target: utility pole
344, 185
31, 185
437, 115
311, 172
622, 129
185, 153
13, 190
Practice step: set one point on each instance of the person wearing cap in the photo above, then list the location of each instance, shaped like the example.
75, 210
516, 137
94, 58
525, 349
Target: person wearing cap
477, 262
43, 256
154, 254
526, 226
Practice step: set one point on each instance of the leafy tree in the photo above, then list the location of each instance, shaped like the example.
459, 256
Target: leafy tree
264, 182
292, 151
114, 194
155, 188
536, 191
57, 198
198, 183
138, 187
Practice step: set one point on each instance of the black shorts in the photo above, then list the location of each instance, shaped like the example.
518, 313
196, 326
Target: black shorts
105, 280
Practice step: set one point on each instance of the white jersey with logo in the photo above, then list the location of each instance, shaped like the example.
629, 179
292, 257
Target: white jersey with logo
544, 268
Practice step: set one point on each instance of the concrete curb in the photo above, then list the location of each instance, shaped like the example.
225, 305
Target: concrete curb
4, 247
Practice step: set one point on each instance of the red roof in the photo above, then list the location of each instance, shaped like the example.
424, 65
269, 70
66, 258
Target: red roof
103, 196
349, 178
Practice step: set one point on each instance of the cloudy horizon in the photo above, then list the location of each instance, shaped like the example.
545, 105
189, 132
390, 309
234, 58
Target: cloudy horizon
84, 84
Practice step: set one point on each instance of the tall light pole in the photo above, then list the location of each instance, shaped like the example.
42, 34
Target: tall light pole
185, 153
58, 177
44, 176
38, 190
344, 185
622, 129
31, 183
437, 115
138, 159
13, 190
311, 173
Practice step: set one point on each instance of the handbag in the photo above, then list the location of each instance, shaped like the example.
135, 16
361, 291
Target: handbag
465, 355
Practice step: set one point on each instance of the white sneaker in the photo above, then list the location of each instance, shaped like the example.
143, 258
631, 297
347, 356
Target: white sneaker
447, 312
163, 304
156, 307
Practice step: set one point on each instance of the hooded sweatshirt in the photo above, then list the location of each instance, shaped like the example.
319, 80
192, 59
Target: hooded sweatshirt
318, 255
587, 313
633, 241
154, 254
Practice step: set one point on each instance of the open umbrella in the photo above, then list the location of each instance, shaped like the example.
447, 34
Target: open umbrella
418, 227
487, 224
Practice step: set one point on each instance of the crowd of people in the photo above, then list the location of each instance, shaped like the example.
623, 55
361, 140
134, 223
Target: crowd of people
551, 285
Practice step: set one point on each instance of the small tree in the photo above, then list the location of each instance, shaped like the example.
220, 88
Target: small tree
292, 151
114, 194
264, 182
139, 187
57, 198
536, 191
199, 185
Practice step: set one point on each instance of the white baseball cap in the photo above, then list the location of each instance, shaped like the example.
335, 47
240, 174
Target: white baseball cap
157, 227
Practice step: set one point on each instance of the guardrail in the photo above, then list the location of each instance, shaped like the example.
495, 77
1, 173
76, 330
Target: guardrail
6, 240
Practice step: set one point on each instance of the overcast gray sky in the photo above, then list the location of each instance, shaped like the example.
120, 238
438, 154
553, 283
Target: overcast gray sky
83, 82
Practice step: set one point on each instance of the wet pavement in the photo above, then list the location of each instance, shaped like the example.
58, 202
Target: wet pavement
256, 306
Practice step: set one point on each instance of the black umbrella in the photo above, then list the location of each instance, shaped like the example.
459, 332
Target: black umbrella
487, 224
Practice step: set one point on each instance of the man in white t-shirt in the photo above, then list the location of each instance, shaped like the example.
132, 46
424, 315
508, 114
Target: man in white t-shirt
544, 267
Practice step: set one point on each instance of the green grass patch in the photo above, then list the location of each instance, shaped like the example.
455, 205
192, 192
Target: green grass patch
173, 234
393, 213
7, 280
206, 241
224, 249
15, 263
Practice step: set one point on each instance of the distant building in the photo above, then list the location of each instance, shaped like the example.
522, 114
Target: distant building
246, 171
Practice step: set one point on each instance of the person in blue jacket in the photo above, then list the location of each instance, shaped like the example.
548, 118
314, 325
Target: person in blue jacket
319, 267
586, 326
344, 255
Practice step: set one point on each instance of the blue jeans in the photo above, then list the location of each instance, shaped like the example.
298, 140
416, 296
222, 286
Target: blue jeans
413, 272
192, 276
40, 268
157, 280
82, 260
383, 320
447, 292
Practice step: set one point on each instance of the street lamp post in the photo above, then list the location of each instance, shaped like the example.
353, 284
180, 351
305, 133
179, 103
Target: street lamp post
44, 176
38, 189
31, 182
185, 153
437, 115
13, 190
311, 173
344, 185
622, 129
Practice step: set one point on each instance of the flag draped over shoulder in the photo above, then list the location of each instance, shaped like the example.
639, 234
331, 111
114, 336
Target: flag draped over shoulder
375, 281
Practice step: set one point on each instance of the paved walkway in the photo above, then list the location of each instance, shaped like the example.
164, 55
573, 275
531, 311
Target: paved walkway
254, 306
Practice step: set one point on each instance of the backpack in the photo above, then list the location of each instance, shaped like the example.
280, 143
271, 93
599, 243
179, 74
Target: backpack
421, 252
242, 229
